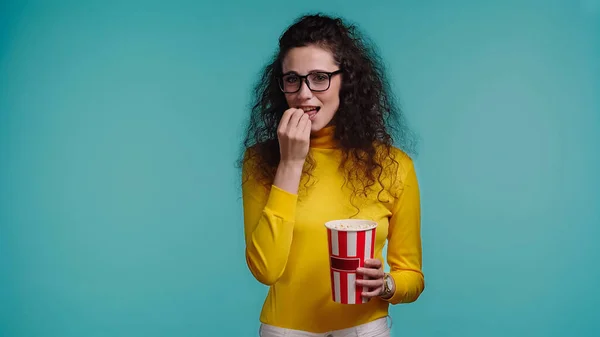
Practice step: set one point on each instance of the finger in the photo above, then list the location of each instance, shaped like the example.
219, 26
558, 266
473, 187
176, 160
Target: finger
285, 119
371, 273
307, 127
287, 114
372, 293
294, 119
302, 124
370, 283
373, 263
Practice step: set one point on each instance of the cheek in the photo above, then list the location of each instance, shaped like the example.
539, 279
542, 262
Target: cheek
333, 95
295, 99
289, 99
331, 99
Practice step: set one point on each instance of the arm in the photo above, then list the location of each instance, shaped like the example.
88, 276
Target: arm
269, 218
404, 246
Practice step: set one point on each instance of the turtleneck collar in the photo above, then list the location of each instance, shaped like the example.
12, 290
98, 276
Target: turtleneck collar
324, 138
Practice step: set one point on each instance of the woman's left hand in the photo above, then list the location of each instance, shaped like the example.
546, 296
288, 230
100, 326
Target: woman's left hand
373, 274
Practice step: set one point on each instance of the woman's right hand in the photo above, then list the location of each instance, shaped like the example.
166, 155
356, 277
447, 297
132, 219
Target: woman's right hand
294, 141
294, 136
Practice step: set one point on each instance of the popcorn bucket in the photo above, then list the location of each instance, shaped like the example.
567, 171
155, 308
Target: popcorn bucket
351, 241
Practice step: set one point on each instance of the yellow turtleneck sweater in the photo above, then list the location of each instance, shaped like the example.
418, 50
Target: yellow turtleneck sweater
286, 241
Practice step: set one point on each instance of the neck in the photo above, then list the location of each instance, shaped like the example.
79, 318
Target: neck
324, 138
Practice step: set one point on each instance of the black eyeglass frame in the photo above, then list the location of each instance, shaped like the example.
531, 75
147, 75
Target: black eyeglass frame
305, 80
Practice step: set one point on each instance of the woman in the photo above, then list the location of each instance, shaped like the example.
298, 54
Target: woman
319, 148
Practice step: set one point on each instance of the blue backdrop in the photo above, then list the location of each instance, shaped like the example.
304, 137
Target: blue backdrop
120, 122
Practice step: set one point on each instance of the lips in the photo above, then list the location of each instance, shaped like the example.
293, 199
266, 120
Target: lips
311, 111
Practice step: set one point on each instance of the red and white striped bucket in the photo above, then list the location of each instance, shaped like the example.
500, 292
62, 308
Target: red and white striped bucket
351, 241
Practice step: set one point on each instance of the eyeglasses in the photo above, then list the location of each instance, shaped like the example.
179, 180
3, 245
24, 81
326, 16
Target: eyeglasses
316, 81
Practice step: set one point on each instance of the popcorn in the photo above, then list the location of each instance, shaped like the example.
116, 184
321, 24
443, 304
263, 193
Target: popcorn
351, 225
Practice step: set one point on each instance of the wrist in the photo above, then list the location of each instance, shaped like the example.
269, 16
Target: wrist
389, 287
291, 165
288, 176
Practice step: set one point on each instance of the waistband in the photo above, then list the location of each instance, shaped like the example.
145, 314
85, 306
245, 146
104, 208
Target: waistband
380, 324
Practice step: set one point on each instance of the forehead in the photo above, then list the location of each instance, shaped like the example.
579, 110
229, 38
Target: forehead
305, 59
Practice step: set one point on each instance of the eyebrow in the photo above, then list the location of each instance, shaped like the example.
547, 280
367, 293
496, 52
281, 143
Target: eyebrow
310, 72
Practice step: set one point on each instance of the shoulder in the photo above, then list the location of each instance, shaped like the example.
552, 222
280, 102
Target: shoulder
406, 162
397, 168
252, 155
395, 159
256, 165
250, 161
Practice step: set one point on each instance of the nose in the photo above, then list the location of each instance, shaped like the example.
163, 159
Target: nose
304, 93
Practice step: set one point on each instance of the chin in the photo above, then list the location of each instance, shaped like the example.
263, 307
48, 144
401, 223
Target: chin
316, 127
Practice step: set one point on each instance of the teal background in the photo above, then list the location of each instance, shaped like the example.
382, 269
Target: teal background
120, 123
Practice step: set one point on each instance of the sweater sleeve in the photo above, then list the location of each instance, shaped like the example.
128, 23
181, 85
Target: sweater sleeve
404, 241
269, 217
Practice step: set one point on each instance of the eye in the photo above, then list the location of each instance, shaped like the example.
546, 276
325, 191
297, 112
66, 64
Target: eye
319, 77
291, 79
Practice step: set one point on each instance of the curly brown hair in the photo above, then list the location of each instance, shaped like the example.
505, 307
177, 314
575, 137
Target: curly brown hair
367, 117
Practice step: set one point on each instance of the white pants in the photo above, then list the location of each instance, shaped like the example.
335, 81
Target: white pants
376, 328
